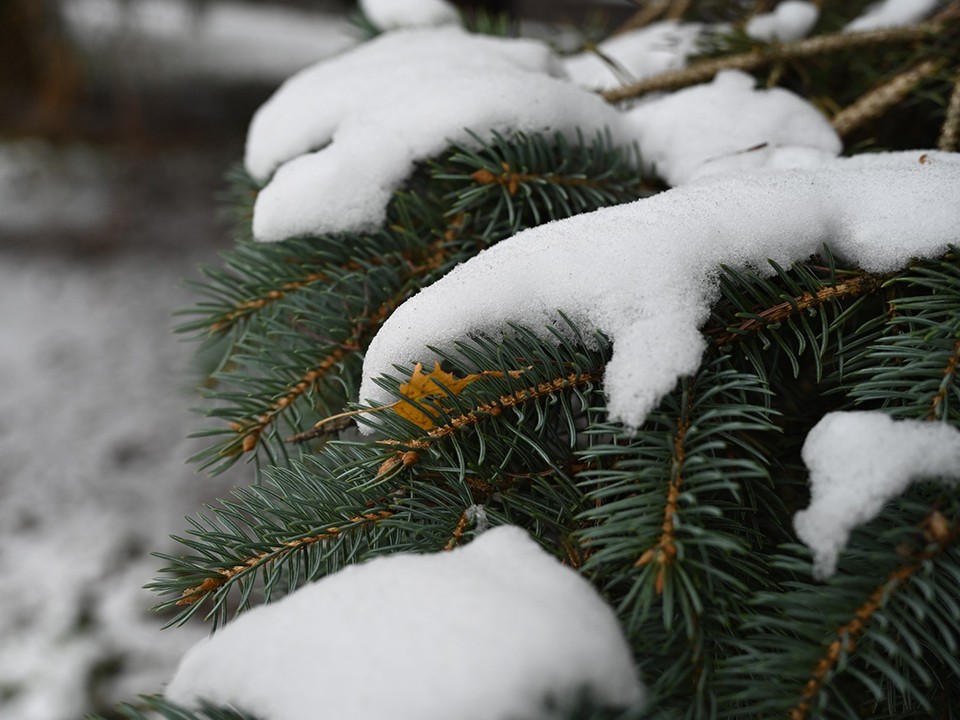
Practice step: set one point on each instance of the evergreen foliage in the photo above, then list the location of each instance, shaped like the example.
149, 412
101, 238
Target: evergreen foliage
685, 525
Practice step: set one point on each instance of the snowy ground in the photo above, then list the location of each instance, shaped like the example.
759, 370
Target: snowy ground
94, 398
94, 389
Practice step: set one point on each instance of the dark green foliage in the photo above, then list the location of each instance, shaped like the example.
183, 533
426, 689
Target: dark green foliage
290, 320
683, 524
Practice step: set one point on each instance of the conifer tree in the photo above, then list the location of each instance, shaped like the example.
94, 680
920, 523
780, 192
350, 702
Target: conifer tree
685, 524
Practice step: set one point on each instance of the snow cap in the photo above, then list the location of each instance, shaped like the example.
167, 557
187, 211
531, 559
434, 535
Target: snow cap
645, 273
486, 632
396, 14
728, 125
858, 462
346, 132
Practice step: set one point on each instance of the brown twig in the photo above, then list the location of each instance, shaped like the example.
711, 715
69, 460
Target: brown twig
859, 285
950, 132
876, 102
762, 56
664, 552
195, 594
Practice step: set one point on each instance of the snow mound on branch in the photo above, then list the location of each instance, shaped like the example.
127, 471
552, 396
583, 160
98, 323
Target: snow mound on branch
791, 20
729, 126
645, 273
892, 13
397, 99
859, 461
396, 14
405, 96
491, 629
636, 54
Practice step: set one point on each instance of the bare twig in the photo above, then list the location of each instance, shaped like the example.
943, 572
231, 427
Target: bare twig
879, 100
770, 54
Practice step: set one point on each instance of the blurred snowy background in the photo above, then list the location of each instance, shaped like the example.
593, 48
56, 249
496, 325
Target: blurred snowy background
117, 122
118, 119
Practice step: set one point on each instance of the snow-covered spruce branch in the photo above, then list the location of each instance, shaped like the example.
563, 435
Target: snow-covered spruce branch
734, 323
317, 279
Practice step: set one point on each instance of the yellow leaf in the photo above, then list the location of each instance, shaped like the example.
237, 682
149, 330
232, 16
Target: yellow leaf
435, 383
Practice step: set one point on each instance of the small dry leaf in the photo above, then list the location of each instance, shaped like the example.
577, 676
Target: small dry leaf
435, 383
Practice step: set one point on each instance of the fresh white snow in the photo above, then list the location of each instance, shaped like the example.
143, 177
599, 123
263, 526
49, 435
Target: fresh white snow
728, 125
490, 629
859, 461
396, 14
644, 273
791, 20
346, 132
636, 54
892, 13
375, 111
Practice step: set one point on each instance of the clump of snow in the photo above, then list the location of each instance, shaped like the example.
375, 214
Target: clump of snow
491, 629
396, 14
645, 273
380, 108
892, 13
791, 20
729, 125
636, 54
403, 97
859, 461
217, 39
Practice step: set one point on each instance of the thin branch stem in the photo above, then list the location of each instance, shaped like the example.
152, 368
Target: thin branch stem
950, 132
705, 70
884, 97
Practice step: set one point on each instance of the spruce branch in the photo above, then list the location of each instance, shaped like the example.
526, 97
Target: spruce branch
942, 535
759, 57
856, 286
410, 455
255, 562
665, 551
250, 432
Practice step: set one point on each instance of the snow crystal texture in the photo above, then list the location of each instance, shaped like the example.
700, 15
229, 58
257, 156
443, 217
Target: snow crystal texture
491, 629
645, 273
402, 97
729, 126
859, 461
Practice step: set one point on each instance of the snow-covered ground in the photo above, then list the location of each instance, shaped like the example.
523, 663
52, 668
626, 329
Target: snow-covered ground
94, 388
94, 410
